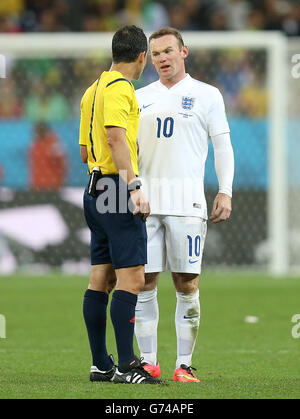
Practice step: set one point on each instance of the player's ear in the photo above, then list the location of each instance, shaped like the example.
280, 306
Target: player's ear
142, 56
185, 51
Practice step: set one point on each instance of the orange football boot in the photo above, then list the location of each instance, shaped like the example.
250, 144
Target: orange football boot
153, 370
185, 375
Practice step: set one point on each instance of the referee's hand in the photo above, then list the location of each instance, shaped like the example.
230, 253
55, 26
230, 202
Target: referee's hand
140, 204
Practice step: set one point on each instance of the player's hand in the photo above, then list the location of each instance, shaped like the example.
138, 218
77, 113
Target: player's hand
221, 208
140, 204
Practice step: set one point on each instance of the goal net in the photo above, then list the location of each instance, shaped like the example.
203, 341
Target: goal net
44, 76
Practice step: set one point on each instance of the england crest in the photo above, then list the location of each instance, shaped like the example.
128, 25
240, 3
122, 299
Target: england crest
188, 103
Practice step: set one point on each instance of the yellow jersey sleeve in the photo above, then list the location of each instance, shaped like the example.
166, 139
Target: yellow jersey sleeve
86, 114
83, 131
117, 100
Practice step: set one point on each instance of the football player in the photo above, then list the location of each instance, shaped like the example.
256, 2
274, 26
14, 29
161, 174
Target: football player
179, 116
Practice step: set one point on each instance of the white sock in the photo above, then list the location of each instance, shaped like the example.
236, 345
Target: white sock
187, 320
146, 321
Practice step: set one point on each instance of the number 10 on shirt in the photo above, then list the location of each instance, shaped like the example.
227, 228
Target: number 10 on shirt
165, 127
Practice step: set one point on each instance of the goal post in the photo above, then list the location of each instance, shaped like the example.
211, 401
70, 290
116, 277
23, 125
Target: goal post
274, 45
278, 187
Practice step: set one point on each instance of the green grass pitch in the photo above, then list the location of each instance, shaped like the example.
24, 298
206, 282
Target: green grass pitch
46, 353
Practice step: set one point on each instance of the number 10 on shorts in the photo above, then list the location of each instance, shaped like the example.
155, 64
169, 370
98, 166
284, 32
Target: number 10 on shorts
194, 247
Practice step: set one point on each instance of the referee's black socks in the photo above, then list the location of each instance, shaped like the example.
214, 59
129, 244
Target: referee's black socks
94, 313
122, 311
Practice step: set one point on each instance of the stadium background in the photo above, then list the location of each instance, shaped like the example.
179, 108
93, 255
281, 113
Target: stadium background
245, 347
41, 222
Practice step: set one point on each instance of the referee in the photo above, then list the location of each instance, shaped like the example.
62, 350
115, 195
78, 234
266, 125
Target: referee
108, 143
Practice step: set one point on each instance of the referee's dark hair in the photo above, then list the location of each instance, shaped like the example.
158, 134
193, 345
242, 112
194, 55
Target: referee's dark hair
128, 43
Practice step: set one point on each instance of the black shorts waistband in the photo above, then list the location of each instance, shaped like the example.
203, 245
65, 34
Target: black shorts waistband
117, 180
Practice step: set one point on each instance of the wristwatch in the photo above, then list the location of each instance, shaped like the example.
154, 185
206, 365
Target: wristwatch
134, 185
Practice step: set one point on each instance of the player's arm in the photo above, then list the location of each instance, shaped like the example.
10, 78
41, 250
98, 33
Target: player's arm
118, 96
117, 104
224, 166
83, 153
83, 132
116, 138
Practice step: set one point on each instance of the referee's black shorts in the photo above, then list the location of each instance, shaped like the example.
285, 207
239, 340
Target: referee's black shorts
117, 236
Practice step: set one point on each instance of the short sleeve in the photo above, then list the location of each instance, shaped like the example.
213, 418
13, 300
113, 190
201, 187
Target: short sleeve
84, 130
117, 99
216, 118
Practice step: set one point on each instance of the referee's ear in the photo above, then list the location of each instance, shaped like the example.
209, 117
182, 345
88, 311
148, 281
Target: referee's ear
142, 57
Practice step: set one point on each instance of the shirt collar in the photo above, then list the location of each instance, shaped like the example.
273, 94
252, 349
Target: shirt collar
182, 81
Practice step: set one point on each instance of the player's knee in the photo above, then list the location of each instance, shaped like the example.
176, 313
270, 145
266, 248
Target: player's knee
151, 280
132, 279
103, 278
185, 282
111, 282
189, 287
97, 284
139, 284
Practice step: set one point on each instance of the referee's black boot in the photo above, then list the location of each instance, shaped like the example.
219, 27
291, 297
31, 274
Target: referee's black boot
101, 376
134, 374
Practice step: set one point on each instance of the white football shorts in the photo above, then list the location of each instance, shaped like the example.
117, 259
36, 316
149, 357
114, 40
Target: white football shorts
175, 243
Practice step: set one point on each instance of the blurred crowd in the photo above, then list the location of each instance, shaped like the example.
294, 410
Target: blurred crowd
50, 89
108, 15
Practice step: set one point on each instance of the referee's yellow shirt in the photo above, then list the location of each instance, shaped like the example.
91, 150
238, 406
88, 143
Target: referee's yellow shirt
110, 101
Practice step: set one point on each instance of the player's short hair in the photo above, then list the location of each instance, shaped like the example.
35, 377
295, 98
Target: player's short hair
168, 31
128, 43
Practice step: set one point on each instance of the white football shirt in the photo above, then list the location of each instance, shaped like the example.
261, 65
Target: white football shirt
175, 128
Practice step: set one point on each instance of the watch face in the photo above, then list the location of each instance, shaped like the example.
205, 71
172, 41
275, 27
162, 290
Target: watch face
136, 184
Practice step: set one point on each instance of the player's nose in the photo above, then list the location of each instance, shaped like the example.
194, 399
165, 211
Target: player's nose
162, 58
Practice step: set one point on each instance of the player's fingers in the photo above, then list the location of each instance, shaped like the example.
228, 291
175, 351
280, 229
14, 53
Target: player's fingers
136, 210
143, 216
143, 213
222, 216
216, 211
147, 213
144, 207
217, 220
215, 206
